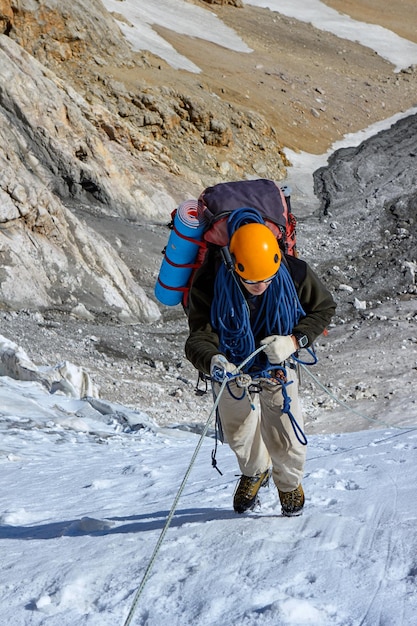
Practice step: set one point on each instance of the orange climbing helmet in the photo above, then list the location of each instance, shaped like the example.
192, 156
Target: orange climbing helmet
255, 252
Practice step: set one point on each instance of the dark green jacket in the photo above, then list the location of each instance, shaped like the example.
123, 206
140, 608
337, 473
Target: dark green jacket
203, 342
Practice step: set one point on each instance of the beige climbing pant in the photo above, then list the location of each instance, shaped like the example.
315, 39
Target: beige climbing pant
260, 434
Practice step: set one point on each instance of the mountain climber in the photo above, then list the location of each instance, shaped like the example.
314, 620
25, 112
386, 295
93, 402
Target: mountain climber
274, 302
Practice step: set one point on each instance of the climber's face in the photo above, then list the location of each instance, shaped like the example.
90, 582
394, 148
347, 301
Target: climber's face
256, 288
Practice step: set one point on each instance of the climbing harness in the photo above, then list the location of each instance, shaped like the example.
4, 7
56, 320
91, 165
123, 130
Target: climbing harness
252, 384
203, 380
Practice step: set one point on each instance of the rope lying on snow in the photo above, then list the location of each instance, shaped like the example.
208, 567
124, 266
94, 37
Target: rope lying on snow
172, 511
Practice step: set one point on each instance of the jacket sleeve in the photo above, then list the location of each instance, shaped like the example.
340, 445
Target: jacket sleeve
202, 342
317, 302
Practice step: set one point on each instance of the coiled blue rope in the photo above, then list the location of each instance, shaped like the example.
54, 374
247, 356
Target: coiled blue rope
279, 312
242, 216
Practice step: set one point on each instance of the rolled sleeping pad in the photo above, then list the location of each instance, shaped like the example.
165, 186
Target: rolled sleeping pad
180, 254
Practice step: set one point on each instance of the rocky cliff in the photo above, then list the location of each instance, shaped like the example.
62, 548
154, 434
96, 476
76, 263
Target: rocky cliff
100, 142
369, 199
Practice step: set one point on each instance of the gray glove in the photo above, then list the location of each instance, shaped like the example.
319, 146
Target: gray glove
279, 347
220, 367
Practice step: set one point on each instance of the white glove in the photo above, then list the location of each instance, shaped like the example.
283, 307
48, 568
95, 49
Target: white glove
220, 367
279, 348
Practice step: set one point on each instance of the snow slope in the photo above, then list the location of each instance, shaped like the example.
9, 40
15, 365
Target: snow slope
85, 495
185, 18
136, 24
399, 51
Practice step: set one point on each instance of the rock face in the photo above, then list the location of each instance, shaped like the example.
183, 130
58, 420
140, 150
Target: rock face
55, 147
97, 146
71, 143
369, 200
47, 256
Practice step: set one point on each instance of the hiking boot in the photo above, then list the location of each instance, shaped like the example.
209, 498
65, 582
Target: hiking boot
292, 502
246, 494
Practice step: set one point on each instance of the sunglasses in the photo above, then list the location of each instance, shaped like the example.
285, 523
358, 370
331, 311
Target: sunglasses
257, 282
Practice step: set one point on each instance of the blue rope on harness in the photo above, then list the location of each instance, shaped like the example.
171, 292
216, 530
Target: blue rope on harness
298, 431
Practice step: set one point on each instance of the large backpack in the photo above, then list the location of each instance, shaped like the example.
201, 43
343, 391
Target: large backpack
216, 203
210, 213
